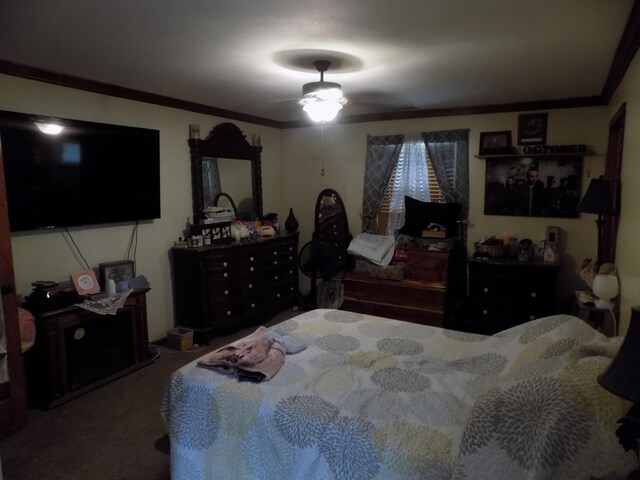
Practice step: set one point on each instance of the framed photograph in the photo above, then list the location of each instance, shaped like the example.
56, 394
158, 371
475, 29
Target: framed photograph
121, 272
532, 129
546, 186
494, 143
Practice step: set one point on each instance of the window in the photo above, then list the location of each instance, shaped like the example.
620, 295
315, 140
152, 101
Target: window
446, 160
413, 175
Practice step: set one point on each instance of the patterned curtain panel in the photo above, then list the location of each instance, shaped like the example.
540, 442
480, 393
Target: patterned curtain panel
382, 155
449, 153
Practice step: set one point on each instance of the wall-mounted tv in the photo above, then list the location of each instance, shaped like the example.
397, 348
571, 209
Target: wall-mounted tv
87, 174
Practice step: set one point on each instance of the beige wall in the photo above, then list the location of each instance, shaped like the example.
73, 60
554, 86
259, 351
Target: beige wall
47, 256
628, 254
292, 162
343, 149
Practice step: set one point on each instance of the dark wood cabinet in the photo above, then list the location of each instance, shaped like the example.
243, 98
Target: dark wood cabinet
504, 293
77, 350
234, 283
420, 297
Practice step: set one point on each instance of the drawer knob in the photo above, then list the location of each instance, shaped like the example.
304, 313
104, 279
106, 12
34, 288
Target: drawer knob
275, 262
532, 317
251, 269
225, 275
485, 290
228, 313
275, 277
225, 264
253, 305
251, 285
275, 252
277, 295
484, 312
290, 272
251, 259
533, 295
226, 292
290, 257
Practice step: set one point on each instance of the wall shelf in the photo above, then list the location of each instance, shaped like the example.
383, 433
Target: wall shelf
522, 155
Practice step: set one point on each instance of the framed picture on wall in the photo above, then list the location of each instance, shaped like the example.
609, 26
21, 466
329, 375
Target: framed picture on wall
533, 186
494, 143
532, 129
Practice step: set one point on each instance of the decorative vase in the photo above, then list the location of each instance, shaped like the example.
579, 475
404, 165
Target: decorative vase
291, 223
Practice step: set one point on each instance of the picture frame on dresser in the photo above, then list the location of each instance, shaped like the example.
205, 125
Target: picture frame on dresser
120, 271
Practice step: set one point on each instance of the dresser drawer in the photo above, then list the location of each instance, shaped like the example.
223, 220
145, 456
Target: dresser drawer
409, 293
411, 300
427, 265
423, 316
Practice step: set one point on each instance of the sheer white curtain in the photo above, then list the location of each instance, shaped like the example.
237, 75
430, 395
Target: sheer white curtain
411, 179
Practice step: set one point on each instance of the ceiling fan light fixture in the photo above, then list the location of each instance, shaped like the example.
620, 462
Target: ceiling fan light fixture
322, 100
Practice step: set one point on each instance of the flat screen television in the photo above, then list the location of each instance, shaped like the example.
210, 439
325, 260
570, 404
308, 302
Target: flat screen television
87, 174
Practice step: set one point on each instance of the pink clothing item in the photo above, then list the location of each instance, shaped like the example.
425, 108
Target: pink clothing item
253, 353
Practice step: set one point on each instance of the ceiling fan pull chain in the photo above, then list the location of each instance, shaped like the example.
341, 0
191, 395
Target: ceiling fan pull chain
322, 149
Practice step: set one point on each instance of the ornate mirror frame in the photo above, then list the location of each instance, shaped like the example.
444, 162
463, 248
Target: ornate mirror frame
225, 140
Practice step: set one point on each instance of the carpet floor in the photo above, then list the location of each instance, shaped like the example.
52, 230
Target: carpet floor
107, 433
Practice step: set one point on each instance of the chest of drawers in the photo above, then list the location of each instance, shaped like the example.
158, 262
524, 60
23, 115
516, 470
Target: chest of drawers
234, 284
420, 297
504, 293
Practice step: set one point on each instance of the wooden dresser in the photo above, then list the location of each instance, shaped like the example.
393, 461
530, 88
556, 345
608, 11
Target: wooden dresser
232, 284
505, 292
420, 297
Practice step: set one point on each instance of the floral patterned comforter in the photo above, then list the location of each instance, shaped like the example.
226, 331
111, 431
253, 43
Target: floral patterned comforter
374, 398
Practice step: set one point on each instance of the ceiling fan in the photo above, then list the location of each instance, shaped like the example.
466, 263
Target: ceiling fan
322, 100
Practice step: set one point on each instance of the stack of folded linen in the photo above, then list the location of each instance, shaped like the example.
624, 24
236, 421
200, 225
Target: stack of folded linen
378, 249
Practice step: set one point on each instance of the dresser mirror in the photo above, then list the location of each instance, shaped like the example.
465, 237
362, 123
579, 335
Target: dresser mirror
225, 162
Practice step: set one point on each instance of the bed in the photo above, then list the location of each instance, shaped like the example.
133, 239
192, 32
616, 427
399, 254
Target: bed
376, 398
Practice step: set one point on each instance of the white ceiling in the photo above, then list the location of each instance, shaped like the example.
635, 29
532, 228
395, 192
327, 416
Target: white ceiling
252, 56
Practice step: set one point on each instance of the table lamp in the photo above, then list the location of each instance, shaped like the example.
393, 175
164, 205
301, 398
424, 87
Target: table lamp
598, 200
605, 288
622, 378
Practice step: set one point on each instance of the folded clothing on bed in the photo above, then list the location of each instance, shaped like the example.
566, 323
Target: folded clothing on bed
255, 357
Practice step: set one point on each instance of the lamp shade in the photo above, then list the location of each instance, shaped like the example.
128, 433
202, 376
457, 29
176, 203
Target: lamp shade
322, 110
598, 198
622, 376
606, 288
